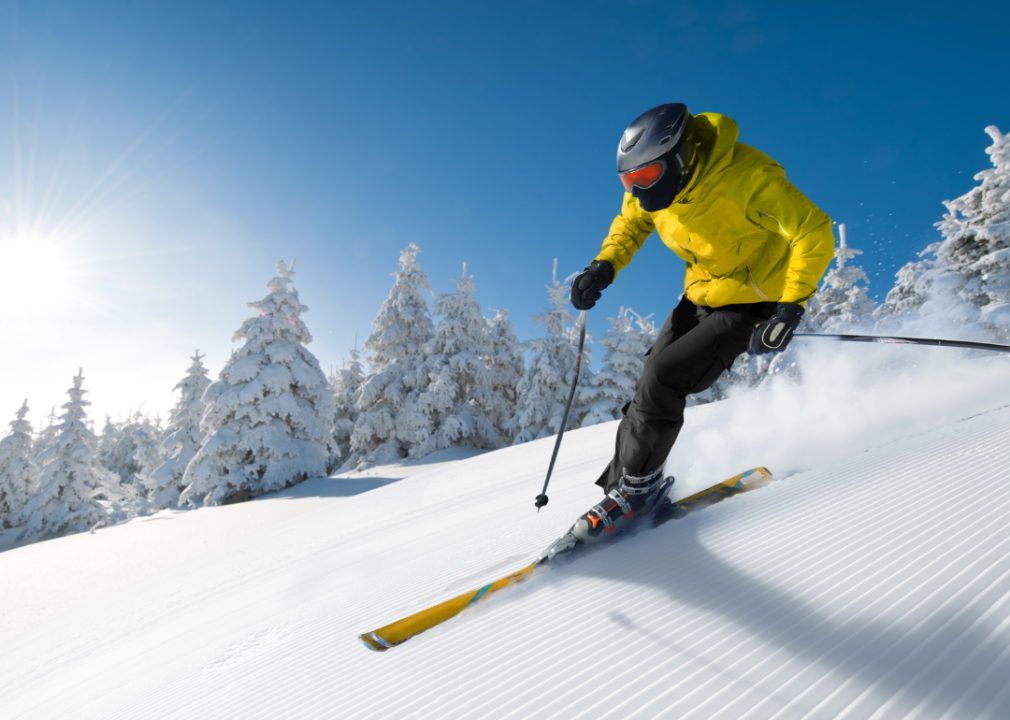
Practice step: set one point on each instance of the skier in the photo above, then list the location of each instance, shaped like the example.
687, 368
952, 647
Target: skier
755, 249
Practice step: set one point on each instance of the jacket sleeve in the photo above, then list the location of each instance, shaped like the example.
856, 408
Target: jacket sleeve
628, 233
779, 207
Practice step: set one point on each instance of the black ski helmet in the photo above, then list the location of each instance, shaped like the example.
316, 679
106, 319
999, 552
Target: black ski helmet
654, 157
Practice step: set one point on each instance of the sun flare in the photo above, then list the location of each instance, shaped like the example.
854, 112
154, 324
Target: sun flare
36, 274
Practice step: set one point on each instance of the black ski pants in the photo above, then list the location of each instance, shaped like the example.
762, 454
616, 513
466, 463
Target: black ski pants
695, 346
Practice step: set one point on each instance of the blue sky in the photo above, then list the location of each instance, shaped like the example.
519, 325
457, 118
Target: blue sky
163, 156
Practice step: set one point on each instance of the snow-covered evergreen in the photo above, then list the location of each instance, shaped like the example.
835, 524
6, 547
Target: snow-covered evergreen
614, 384
452, 399
965, 288
345, 384
910, 291
72, 480
505, 363
182, 437
18, 472
109, 441
269, 420
46, 435
976, 233
842, 303
131, 452
396, 349
545, 387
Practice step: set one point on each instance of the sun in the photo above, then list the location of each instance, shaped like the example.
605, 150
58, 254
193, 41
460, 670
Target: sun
35, 274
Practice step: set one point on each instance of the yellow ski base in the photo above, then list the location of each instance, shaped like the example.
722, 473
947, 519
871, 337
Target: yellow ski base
402, 630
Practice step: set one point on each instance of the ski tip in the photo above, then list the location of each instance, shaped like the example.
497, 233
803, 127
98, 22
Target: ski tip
758, 477
374, 642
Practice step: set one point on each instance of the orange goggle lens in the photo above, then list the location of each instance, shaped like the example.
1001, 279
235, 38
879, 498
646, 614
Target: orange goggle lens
643, 177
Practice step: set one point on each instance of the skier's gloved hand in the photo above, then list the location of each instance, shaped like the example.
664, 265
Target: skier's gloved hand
775, 333
588, 284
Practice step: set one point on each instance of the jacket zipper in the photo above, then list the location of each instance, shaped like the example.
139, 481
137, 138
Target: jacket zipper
753, 284
782, 230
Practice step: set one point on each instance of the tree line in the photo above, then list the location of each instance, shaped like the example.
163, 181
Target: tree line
273, 418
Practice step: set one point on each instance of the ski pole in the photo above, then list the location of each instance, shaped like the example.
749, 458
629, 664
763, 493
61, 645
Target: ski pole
542, 497
908, 341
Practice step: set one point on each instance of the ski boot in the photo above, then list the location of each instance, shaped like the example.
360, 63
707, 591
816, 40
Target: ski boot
633, 496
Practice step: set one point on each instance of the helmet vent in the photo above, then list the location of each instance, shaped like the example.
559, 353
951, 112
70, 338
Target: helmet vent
630, 139
665, 140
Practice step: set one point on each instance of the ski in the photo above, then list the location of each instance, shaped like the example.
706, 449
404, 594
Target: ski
400, 631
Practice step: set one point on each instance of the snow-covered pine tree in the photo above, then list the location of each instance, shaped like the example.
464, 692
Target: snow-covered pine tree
910, 291
109, 443
623, 362
395, 349
842, 303
966, 286
71, 478
18, 472
976, 233
269, 417
505, 363
46, 435
131, 453
452, 397
182, 437
544, 389
345, 385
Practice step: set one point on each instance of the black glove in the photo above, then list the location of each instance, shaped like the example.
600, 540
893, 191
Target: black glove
775, 333
588, 284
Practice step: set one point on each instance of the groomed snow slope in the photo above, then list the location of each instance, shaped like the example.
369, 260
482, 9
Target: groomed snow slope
872, 579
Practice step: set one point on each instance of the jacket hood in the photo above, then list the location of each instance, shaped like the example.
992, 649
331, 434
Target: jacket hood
716, 136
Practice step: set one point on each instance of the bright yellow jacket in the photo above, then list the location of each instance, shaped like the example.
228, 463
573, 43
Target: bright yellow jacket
746, 233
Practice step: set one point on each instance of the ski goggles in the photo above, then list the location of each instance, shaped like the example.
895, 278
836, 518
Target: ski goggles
643, 177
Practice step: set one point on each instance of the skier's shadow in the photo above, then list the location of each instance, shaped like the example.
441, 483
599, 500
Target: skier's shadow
330, 487
859, 648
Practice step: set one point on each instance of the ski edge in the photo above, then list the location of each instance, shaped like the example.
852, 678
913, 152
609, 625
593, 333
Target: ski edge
395, 633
